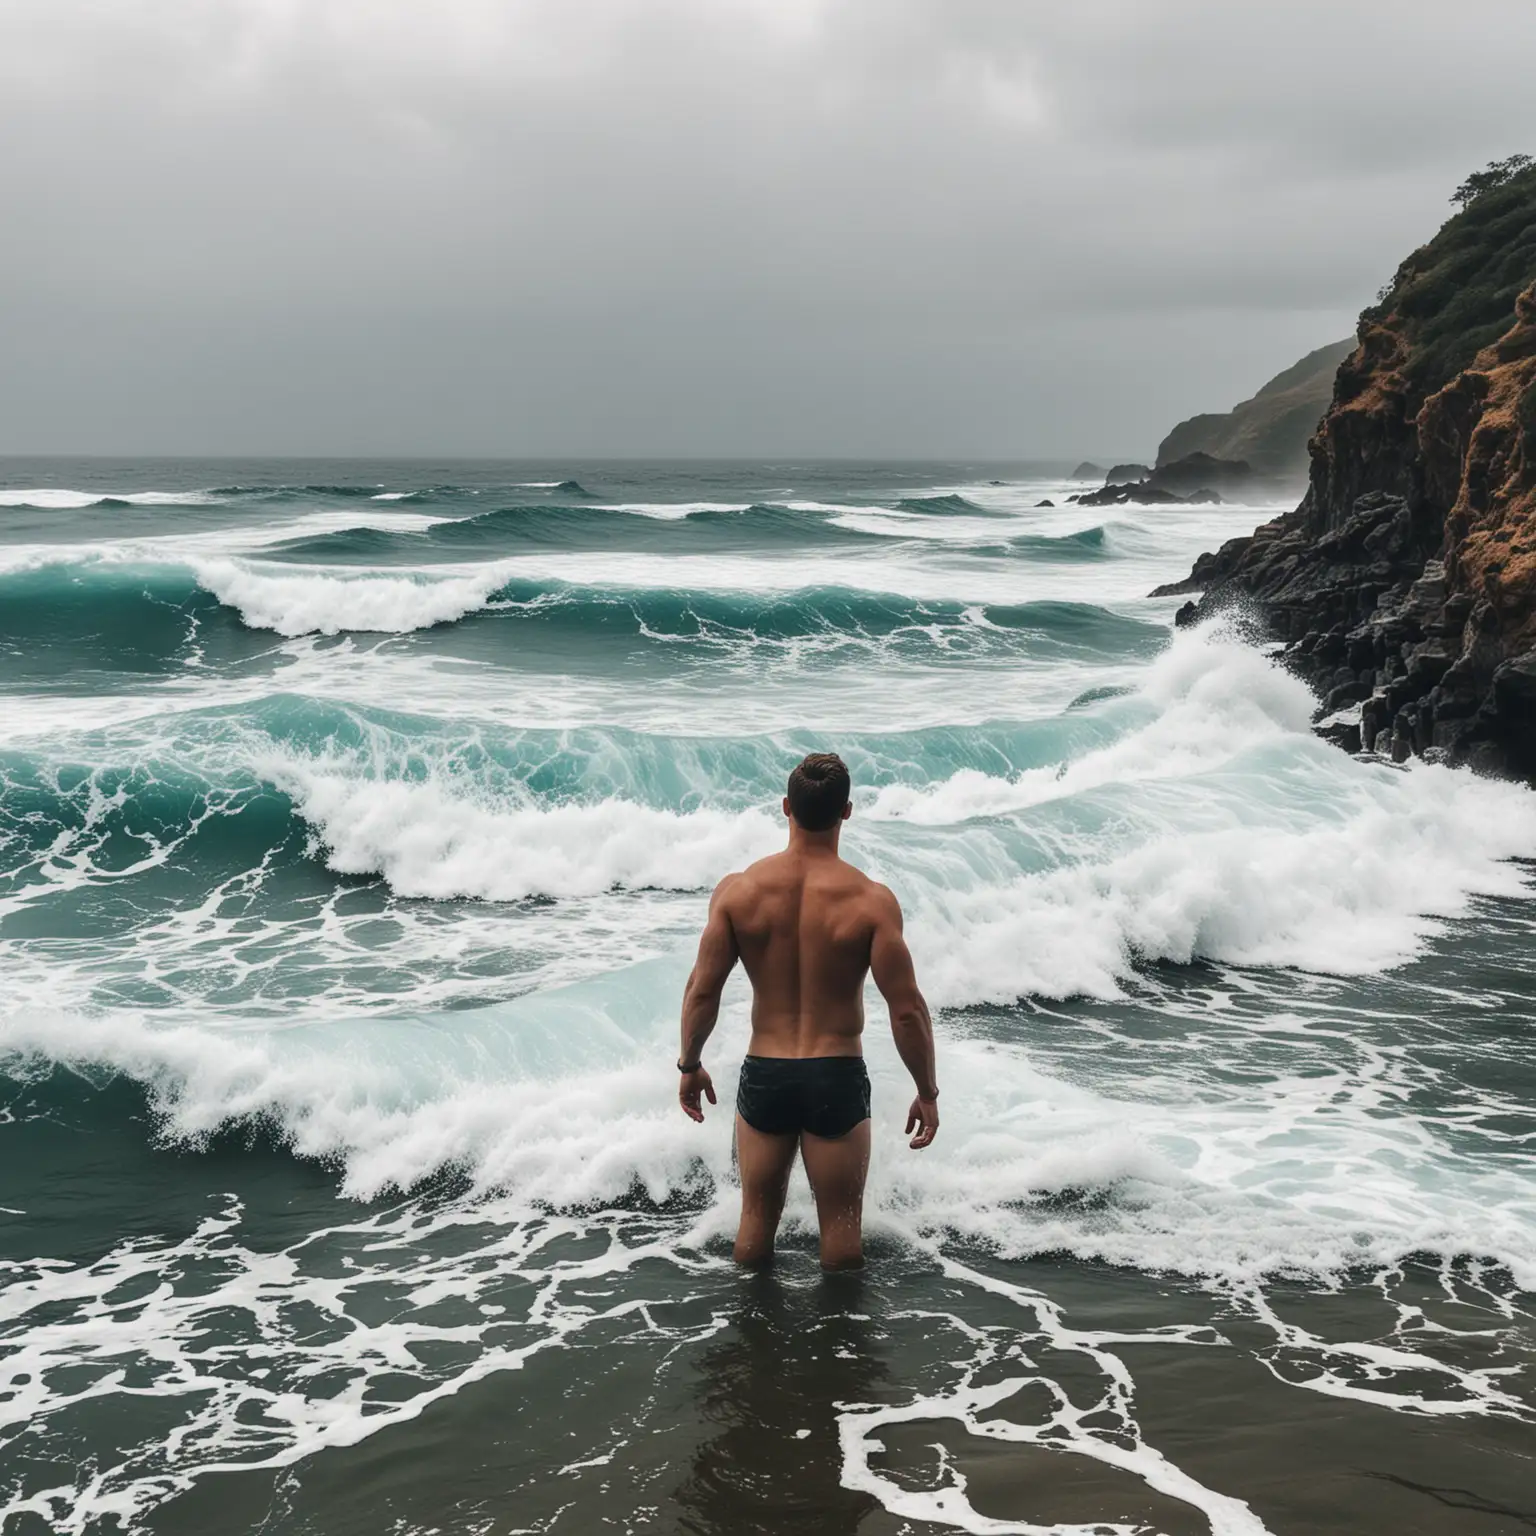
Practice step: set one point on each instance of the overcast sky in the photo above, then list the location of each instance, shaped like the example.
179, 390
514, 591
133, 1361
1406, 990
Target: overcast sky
1003, 228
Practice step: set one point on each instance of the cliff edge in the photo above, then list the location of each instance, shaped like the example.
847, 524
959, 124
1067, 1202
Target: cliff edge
1404, 585
1270, 431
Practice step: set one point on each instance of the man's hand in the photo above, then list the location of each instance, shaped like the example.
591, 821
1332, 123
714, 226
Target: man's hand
697, 1082
923, 1118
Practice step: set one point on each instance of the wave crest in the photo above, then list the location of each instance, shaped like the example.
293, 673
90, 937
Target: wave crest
428, 841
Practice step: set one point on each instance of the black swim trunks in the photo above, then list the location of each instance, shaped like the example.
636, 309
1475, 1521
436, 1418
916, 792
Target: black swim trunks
825, 1095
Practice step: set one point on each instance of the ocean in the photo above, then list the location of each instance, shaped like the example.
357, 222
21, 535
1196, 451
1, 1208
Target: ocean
357, 820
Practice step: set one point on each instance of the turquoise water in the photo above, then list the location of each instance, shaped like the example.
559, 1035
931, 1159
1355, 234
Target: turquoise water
356, 821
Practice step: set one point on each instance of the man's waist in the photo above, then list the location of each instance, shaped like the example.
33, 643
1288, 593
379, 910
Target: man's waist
759, 1058
773, 1045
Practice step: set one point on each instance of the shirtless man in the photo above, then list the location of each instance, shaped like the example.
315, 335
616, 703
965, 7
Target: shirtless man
808, 928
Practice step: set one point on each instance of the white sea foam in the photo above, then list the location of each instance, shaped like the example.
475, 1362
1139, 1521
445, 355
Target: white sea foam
299, 600
295, 600
1270, 1142
1220, 830
171, 549
1071, 1427
844, 507
560, 1099
1344, 900
913, 570
51, 498
1267, 849
1346, 888
432, 839
672, 511
1217, 828
916, 525
569, 1106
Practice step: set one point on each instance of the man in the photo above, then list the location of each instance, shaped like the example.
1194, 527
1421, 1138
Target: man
808, 928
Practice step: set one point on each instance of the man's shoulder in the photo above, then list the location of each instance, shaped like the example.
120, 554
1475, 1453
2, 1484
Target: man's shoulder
846, 881
879, 899
877, 902
765, 868
742, 882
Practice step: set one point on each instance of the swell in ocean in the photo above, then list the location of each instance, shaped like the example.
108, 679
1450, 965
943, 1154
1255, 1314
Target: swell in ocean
374, 843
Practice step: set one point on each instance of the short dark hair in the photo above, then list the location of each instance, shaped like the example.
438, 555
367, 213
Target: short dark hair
818, 791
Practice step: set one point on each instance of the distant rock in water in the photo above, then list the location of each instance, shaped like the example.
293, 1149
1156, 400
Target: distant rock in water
1197, 473
1270, 430
1190, 479
1126, 474
1087, 471
1404, 585
572, 488
1142, 494
1046, 503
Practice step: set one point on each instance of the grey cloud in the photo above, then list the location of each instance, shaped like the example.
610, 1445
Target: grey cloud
712, 226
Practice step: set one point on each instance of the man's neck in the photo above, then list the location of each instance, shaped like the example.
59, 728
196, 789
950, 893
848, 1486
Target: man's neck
815, 845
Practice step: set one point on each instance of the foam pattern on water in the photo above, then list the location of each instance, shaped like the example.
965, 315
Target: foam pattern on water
400, 871
271, 1356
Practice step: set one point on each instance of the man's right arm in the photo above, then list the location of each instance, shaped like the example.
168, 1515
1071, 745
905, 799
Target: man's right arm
717, 958
890, 963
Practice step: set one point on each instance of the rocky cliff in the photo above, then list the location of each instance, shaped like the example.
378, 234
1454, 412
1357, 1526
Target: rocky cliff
1404, 585
1271, 430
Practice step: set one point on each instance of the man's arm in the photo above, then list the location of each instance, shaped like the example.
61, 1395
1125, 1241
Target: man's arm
701, 1001
890, 963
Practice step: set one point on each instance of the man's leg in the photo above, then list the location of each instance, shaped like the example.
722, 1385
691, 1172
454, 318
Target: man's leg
836, 1167
763, 1161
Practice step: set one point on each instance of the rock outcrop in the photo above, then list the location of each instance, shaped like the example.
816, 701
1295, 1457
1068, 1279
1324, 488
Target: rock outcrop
1127, 474
1271, 430
1140, 494
1087, 470
1185, 480
1404, 585
1199, 473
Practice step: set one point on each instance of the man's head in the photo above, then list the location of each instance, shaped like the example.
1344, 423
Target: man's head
818, 792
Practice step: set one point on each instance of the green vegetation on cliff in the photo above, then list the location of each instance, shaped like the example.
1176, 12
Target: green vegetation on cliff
1456, 295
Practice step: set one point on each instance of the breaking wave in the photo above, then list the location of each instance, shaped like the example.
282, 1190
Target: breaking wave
112, 599
1196, 819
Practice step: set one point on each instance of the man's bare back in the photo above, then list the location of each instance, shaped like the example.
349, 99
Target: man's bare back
808, 928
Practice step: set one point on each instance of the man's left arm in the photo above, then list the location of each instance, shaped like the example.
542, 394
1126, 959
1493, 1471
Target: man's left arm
701, 1001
